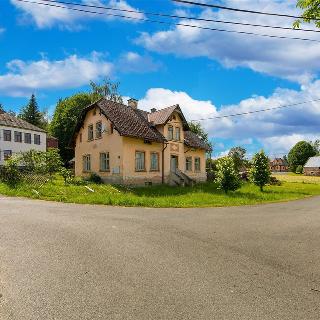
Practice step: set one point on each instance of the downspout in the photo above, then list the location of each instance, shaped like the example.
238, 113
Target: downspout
165, 145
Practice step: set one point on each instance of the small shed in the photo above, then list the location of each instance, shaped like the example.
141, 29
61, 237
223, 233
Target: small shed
312, 167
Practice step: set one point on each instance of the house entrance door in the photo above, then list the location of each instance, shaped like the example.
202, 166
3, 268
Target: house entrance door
174, 163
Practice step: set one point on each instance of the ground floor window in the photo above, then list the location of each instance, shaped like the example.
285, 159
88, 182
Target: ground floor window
7, 154
104, 161
27, 138
87, 163
197, 164
36, 139
140, 161
154, 161
189, 164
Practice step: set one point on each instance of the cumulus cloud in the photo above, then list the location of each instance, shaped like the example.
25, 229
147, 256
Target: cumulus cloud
290, 59
136, 63
74, 71
277, 131
49, 16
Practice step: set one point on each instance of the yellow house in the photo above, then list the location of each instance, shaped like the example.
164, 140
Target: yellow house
125, 145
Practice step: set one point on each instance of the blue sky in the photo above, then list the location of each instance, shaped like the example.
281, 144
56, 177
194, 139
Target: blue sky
55, 53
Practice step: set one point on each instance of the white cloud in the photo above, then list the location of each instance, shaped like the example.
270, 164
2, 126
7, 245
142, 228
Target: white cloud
2, 30
291, 59
74, 71
193, 109
48, 16
277, 131
136, 63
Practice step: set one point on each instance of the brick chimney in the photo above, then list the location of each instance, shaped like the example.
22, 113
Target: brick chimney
133, 103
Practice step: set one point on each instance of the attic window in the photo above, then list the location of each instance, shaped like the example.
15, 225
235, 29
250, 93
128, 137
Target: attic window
174, 117
147, 142
94, 111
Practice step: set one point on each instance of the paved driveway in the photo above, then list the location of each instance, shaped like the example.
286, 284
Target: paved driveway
65, 262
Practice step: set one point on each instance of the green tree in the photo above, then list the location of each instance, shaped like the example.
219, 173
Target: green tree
238, 155
32, 114
196, 128
310, 12
68, 110
316, 146
64, 120
227, 176
260, 173
107, 89
53, 161
300, 154
1, 108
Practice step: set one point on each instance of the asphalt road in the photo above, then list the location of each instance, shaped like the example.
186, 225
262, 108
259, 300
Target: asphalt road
65, 262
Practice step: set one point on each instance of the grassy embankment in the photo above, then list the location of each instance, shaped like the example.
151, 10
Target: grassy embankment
202, 195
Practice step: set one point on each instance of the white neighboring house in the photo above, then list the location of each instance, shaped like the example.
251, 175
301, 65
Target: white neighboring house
18, 136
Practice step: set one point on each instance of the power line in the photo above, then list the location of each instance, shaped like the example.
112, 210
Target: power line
170, 23
244, 10
179, 16
256, 111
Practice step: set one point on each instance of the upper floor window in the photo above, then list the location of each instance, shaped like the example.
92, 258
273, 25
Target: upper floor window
189, 164
197, 164
177, 134
140, 161
154, 161
36, 139
27, 138
104, 161
80, 137
98, 130
86, 163
6, 135
90, 132
17, 136
170, 133
7, 154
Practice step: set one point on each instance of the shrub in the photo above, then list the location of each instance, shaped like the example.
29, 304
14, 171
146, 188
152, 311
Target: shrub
260, 173
53, 162
211, 175
299, 169
227, 177
10, 172
67, 175
274, 181
95, 178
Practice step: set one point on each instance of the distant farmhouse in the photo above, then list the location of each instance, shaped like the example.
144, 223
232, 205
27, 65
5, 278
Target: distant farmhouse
126, 145
17, 135
279, 165
312, 167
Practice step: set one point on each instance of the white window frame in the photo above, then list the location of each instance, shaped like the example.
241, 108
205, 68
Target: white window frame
86, 159
104, 162
140, 162
154, 166
189, 164
197, 164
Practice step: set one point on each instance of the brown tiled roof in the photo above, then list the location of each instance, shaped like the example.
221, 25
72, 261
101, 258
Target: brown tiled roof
193, 141
161, 116
9, 120
127, 121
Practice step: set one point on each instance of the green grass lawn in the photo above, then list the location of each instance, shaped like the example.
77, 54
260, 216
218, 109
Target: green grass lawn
202, 195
